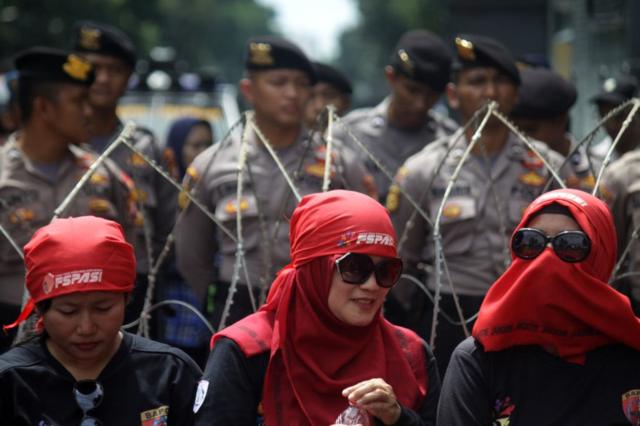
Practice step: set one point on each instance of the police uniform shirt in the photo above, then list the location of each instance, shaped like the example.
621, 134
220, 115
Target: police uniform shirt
620, 188
525, 385
144, 383
266, 206
584, 168
157, 196
389, 144
28, 198
484, 206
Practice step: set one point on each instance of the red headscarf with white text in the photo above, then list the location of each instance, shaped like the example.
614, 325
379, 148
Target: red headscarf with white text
314, 355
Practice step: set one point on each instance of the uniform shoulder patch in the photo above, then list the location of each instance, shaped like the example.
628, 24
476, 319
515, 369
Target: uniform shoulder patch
201, 394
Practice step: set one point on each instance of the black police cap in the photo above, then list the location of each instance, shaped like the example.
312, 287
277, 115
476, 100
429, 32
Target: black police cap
480, 51
422, 56
616, 90
543, 94
93, 37
48, 64
271, 52
330, 75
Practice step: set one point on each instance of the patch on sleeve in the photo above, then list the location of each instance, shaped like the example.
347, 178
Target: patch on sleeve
201, 393
156, 417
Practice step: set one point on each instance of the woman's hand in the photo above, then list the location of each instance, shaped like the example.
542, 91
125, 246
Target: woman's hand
377, 397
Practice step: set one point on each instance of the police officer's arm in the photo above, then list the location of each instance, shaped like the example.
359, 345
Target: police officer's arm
355, 175
233, 386
164, 213
195, 234
411, 234
465, 398
123, 191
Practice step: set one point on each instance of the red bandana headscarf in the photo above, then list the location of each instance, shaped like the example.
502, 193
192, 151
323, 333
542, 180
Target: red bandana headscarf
567, 308
76, 255
314, 355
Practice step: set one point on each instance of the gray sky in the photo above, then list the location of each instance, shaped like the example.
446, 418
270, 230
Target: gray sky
314, 24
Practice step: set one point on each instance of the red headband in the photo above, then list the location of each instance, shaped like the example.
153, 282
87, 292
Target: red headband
77, 255
337, 222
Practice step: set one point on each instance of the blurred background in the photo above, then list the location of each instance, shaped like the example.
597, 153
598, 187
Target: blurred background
199, 44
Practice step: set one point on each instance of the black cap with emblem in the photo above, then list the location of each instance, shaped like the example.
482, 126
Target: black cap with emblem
422, 56
48, 64
330, 75
93, 37
616, 90
271, 52
480, 51
543, 94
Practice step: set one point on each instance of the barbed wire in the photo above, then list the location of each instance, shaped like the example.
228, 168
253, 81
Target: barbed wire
441, 267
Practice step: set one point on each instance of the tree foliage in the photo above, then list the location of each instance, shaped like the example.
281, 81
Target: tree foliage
366, 48
203, 32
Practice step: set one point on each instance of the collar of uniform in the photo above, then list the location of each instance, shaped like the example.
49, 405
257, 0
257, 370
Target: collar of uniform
380, 113
15, 159
256, 148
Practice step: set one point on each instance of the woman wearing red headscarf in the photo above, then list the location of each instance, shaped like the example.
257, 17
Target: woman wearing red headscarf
553, 343
320, 342
81, 369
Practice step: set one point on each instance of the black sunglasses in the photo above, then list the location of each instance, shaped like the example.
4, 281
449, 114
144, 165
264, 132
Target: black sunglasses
570, 246
88, 395
356, 268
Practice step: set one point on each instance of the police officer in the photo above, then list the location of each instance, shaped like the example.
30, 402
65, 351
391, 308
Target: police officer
332, 88
404, 122
542, 112
40, 164
278, 84
499, 179
113, 55
615, 91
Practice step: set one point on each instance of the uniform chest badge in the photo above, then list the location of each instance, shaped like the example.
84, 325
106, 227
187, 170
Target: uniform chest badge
98, 205
532, 179
99, 179
137, 160
21, 215
451, 211
531, 161
631, 406
231, 206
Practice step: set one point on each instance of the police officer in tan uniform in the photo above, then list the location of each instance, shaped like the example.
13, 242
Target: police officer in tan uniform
277, 85
333, 88
404, 122
542, 113
499, 179
614, 92
40, 164
113, 55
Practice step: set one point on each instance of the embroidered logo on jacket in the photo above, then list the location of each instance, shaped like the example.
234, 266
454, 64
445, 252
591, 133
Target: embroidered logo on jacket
156, 417
502, 412
631, 406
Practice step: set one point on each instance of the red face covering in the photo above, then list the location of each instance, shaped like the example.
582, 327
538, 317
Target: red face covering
77, 255
568, 308
314, 355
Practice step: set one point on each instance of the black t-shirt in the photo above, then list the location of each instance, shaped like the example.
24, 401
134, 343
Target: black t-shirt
234, 389
145, 383
525, 385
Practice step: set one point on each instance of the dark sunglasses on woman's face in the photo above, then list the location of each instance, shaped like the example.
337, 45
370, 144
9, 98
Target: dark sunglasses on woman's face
570, 246
356, 268
88, 395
